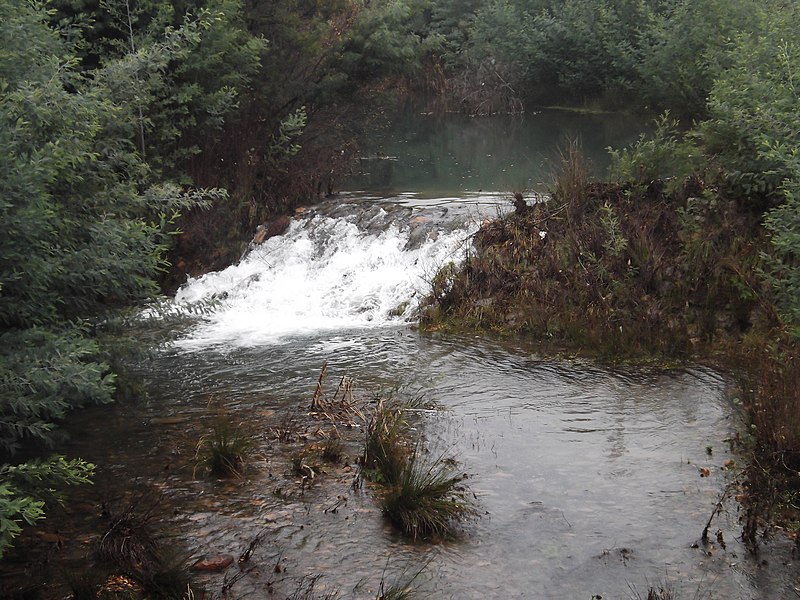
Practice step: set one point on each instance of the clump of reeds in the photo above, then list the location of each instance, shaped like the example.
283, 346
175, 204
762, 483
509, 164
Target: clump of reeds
307, 589
303, 467
167, 577
223, 452
571, 178
422, 498
427, 498
398, 592
130, 541
775, 409
84, 584
660, 593
386, 448
332, 449
306, 462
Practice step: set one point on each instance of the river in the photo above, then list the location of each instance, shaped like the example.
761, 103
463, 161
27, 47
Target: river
591, 481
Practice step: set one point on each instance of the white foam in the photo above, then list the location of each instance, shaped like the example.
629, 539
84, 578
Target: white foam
323, 274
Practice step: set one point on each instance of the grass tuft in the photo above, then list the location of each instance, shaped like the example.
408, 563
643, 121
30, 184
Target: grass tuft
427, 498
571, 178
386, 447
84, 584
223, 453
130, 540
131, 550
308, 589
167, 577
398, 592
332, 450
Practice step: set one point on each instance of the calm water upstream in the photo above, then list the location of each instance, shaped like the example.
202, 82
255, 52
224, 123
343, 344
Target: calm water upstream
450, 153
589, 477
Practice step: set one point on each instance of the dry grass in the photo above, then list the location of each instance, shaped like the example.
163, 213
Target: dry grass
386, 447
775, 405
603, 269
130, 540
131, 548
485, 89
422, 498
632, 271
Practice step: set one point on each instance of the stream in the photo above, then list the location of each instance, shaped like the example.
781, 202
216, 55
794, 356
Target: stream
591, 481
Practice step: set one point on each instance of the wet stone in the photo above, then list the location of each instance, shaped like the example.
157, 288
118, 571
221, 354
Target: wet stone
214, 563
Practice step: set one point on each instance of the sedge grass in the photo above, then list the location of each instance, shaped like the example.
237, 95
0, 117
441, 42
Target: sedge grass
427, 499
386, 447
223, 453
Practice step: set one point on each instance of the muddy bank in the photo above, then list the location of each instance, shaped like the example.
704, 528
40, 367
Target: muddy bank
610, 271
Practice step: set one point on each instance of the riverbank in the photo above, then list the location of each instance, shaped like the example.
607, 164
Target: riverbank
659, 272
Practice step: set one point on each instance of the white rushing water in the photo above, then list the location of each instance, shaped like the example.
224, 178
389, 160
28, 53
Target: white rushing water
326, 273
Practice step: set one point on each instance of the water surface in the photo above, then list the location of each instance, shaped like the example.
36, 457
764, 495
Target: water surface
590, 480
454, 154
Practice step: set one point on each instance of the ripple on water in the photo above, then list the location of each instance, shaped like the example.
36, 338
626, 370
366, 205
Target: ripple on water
588, 476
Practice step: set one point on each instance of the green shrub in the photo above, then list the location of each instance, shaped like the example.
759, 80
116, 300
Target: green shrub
26, 489
783, 262
668, 154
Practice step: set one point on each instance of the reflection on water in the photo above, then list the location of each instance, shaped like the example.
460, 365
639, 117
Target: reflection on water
445, 153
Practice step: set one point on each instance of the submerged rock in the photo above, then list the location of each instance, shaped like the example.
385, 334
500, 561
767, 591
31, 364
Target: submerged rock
214, 563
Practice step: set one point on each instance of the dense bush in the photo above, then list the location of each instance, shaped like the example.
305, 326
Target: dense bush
82, 229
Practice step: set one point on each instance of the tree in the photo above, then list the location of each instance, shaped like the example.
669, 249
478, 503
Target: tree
82, 230
688, 46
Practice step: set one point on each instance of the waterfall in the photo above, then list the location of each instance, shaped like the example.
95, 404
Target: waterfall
356, 266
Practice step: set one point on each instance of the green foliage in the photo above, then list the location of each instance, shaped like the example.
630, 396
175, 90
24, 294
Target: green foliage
43, 375
284, 143
83, 228
686, 48
783, 263
753, 112
659, 54
747, 143
573, 48
668, 154
452, 22
26, 488
76, 233
391, 37
42, 478
14, 509
177, 70
305, 39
